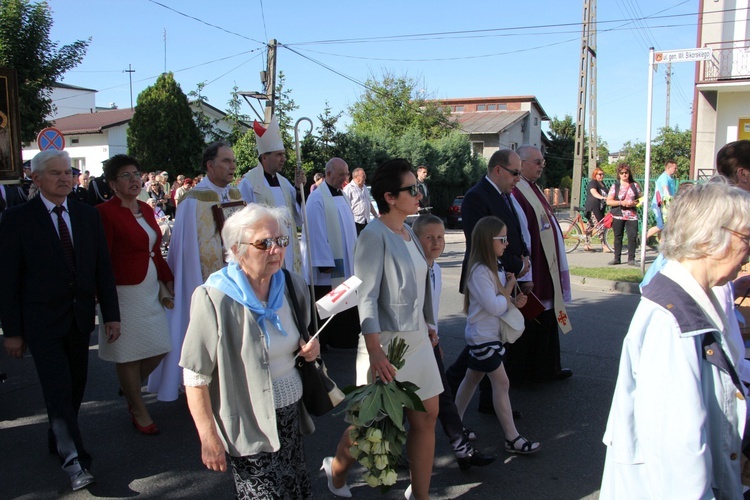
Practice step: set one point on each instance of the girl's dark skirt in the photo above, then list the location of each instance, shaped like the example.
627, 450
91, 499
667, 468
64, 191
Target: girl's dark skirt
486, 357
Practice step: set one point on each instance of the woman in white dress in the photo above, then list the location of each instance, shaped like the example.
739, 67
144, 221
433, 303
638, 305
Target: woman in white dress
134, 241
394, 302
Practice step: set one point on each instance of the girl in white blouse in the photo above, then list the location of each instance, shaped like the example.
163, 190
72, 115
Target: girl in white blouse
486, 299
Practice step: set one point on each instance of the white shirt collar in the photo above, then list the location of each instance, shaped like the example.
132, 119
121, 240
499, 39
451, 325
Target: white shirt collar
49, 205
494, 185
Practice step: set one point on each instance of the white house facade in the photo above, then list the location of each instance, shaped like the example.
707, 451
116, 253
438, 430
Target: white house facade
722, 91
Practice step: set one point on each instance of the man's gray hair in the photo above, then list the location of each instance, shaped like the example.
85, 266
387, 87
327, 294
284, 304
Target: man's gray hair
39, 162
523, 151
696, 217
235, 227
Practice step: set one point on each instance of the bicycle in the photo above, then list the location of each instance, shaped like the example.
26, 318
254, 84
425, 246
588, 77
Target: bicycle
576, 229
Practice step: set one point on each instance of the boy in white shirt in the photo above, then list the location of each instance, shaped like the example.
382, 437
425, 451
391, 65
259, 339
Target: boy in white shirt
430, 231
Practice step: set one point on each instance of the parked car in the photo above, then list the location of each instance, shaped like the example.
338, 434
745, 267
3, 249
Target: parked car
454, 213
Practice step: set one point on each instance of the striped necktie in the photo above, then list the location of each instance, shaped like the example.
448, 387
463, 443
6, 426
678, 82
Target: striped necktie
67, 242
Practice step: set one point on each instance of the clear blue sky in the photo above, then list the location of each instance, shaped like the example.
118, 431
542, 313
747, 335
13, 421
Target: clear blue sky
541, 58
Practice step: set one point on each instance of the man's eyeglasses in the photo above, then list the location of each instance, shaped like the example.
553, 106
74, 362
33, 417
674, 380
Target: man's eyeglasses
413, 190
128, 176
501, 239
743, 237
540, 162
268, 243
514, 173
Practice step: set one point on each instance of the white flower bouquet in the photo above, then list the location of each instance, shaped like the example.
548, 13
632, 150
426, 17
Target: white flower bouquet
376, 411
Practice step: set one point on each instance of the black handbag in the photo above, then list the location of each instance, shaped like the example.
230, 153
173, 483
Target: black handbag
320, 394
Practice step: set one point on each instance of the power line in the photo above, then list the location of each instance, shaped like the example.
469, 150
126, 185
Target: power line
205, 22
263, 16
454, 34
176, 71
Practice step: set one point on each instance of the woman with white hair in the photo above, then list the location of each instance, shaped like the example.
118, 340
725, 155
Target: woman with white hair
239, 352
678, 413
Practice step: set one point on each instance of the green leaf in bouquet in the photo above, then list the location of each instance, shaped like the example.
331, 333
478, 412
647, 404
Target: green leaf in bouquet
393, 406
371, 404
410, 390
354, 396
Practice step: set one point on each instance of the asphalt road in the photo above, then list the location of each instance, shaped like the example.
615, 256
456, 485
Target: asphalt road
567, 417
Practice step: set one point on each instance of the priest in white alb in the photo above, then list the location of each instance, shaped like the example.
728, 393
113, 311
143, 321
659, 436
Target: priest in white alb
265, 184
333, 234
195, 252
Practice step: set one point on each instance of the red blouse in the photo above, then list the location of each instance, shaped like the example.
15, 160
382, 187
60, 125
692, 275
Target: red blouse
128, 243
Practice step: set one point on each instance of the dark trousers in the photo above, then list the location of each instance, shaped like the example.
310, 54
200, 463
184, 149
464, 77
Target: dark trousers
343, 330
535, 356
62, 366
631, 227
456, 373
360, 227
447, 411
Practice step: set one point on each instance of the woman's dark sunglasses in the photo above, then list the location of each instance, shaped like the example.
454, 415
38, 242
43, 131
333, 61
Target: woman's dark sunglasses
413, 190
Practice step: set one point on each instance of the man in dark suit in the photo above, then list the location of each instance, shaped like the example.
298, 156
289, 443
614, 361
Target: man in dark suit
55, 263
491, 196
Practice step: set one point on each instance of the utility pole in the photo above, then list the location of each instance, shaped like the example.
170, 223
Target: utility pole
586, 92
669, 88
270, 81
165, 50
130, 72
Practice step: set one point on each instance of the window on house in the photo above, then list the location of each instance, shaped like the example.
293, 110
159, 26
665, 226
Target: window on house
79, 163
458, 109
477, 148
502, 106
492, 107
481, 107
536, 121
513, 146
74, 141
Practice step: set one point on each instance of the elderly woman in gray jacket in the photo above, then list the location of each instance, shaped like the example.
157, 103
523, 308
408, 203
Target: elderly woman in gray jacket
238, 358
394, 302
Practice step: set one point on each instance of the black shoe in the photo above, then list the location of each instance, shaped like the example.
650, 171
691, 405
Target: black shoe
517, 415
632, 263
466, 455
474, 458
614, 263
563, 374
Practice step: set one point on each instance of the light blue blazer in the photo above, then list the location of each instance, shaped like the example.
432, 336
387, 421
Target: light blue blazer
388, 297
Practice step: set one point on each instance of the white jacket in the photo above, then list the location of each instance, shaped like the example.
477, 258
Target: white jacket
677, 417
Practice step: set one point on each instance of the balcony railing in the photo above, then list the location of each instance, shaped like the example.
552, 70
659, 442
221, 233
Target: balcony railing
730, 61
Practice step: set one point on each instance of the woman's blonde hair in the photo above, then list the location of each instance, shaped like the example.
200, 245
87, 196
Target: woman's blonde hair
483, 252
697, 216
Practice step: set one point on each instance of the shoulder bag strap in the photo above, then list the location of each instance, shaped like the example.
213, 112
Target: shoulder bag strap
295, 305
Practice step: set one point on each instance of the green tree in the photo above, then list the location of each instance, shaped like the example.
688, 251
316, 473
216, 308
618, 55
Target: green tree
207, 126
25, 46
327, 131
162, 133
246, 153
393, 104
559, 155
670, 144
235, 117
